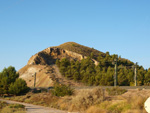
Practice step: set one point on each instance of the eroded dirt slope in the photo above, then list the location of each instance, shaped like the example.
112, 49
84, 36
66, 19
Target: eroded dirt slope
46, 76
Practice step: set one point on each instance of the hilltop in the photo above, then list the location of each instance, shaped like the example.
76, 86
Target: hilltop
80, 49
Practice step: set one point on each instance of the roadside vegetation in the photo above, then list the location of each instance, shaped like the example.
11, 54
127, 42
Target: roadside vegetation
62, 90
96, 100
115, 91
11, 85
11, 108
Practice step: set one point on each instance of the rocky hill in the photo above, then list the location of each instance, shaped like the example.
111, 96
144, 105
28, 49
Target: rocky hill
43, 64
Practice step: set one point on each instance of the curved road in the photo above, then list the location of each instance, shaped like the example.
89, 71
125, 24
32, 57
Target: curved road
35, 108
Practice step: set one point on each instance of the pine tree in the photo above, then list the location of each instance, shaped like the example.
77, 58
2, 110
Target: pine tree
18, 87
9, 80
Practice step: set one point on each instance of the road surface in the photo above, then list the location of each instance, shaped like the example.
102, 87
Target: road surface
35, 108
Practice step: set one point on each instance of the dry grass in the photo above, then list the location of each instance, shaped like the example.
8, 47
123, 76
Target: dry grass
116, 91
86, 98
134, 103
91, 101
11, 108
137, 104
80, 49
95, 109
135, 111
118, 107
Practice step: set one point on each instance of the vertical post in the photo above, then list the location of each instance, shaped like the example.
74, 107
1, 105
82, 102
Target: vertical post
34, 79
103, 94
135, 73
116, 69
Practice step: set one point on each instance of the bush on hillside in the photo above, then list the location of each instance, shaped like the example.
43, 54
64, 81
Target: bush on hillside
18, 87
116, 91
62, 90
86, 98
16, 106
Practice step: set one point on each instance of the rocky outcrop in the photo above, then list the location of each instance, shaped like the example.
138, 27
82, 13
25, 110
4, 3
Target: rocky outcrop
50, 55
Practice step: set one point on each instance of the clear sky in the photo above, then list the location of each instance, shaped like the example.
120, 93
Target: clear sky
119, 26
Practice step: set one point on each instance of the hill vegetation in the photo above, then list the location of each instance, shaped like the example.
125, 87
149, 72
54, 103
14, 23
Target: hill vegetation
103, 74
95, 54
80, 49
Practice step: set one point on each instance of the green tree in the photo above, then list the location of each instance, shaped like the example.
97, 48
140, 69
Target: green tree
5, 85
141, 76
92, 55
147, 77
10, 73
18, 87
64, 66
91, 80
62, 90
110, 76
8, 77
58, 62
122, 78
76, 76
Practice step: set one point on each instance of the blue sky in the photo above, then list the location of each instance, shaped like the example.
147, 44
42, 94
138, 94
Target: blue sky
119, 26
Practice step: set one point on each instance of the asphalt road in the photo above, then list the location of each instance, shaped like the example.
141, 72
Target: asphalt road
35, 108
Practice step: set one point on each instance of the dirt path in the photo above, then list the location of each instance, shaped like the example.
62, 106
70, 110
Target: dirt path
35, 108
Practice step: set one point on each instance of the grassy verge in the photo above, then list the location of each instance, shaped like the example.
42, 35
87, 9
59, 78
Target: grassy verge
11, 108
129, 105
115, 91
79, 101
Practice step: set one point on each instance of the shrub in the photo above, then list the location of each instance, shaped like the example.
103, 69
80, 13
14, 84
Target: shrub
95, 109
18, 87
119, 107
16, 106
7, 109
116, 91
136, 101
11, 108
9, 82
87, 98
2, 104
62, 90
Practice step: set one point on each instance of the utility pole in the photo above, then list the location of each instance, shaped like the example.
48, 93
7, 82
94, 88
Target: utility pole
34, 79
116, 69
135, 73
